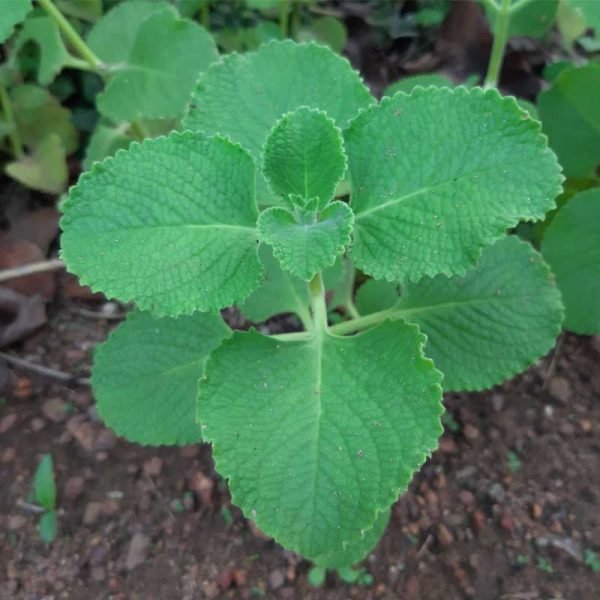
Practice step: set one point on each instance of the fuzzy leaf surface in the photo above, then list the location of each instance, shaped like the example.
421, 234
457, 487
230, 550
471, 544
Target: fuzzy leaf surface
492, 323
304, 156
320, 436
12, 13
310, 243
263, 86
44, 32
571, 245
440, 174
169, 223
158, 76
145, 376
570, 114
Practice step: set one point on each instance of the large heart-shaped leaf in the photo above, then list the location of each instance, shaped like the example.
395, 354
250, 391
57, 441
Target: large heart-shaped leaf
169, 223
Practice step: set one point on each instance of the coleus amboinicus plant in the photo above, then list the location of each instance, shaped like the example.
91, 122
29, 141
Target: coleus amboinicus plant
317, 431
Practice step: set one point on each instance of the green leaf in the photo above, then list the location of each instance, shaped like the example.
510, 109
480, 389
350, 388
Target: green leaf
325, 30
44, 32
13, 12
47, 526
105, 140
279, 293
356, 550
304, 156
159, 74
305, 242
316, 576
44, 487
570, 114
169, 223
492, 323
315, 422
375, 295
571, 245
38, 115
589, 10
45, 169
87, 10
440, 174
145, 377
533, 19
408, 84
264, 85
112, 38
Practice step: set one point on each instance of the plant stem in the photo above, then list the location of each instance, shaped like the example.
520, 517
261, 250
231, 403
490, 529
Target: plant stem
284, 18
318, 304
205, 15
364, 322
139, 130
291, 337
352, 310
9, 115
52, 264
499, 46
72, 36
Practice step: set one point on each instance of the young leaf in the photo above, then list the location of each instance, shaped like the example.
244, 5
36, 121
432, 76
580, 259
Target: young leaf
105, 140
570, 114
12, 13
169, 223
44, 32
571, 245
45, 169
47, 526
159, 74
312, 420
492, 323
533, 19
145, 376
280, 292
264, 85
309, 242
113, 36
304, 156
357, 549
440, 174
375, 295
408, 84
44, 487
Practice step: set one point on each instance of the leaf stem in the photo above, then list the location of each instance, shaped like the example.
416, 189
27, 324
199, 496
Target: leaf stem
499, 45
205, 15
284, 18
291, 337
364, 322
14, 136
72, 36
351, 309
139, 130
318, 303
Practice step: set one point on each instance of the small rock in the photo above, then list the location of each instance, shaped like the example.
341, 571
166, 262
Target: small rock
37, 424
105, 440
498, 402
496, 492
276, 579
74, 488
536, 510
567, 429
225, 579
202, 486
566, 544
15, 522
448, 445
470, 431
585, 425
7, 422
9, 455
560, 389
55, 410
82, 431
444, 536
190, 451
466, 497
478, 520
466, 472
138, 549
153, 467
506, 522
91, 513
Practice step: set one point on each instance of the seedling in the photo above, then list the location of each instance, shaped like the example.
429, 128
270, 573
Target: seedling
44, 494
318, 431
513, 460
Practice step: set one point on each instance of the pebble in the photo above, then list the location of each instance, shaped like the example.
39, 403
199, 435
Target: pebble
448, 445
560, 389
444, 535
153, 467
466, 497
470, 432
37, 424
496, 492
82, 431
536, 510
202, 486
104, 440
7, 422
9, 455
498, 402
55, 410
478, 520
137, 551
506, 522
74, 488
190, 451
276, 579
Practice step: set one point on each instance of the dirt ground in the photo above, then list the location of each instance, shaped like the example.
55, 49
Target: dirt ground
506, 509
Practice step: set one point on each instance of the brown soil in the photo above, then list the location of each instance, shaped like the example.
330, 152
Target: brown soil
507, 508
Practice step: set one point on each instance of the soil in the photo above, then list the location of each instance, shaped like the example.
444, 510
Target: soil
507, 508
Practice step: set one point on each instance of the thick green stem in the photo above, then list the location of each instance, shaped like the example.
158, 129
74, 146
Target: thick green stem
72, 36
364, 322
9, 116
499, 46
352, 310
318, 303
284, 18
205, 15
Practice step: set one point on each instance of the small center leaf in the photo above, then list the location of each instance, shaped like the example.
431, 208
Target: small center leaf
304, 156
306, 242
